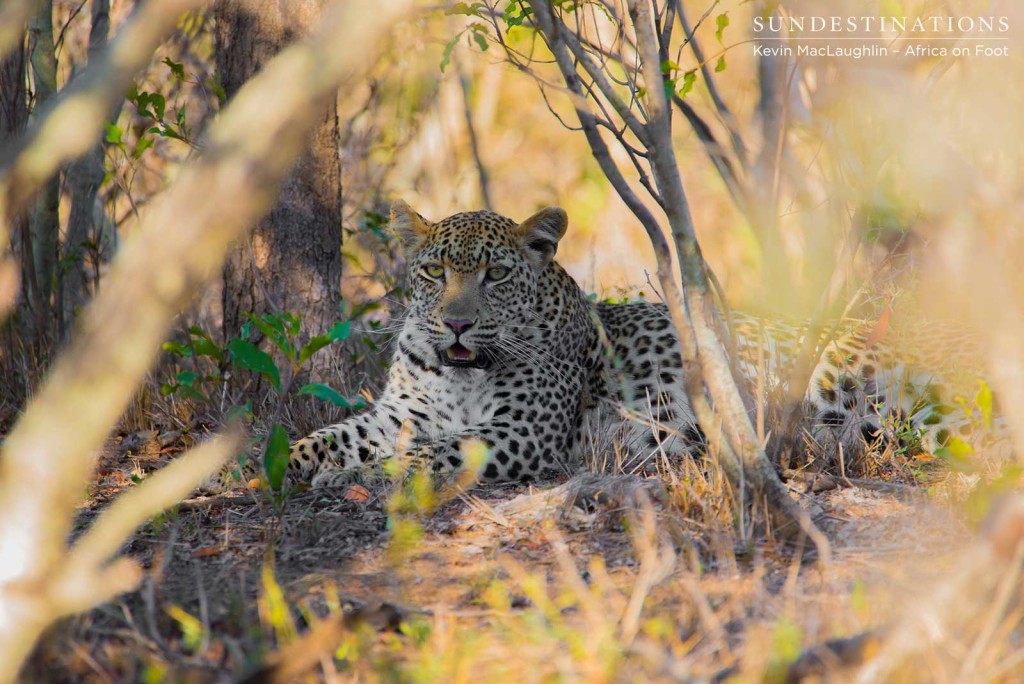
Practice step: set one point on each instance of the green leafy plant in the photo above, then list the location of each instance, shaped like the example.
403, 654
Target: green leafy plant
204, 366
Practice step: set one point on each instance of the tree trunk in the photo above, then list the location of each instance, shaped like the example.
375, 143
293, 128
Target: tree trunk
84, 178
45, 220
292, 260
13, 117
776, 271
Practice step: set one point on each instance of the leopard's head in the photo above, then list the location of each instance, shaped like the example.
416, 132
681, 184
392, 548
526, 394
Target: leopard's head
474, 279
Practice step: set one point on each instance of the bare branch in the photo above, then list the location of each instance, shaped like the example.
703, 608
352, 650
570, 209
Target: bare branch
739, 147
723, 164
554, 38
158, 492
592, 69
467, 110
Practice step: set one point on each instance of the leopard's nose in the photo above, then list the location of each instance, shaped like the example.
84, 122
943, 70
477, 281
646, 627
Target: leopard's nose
458, 326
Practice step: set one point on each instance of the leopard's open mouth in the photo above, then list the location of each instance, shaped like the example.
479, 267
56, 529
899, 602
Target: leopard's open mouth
461, 357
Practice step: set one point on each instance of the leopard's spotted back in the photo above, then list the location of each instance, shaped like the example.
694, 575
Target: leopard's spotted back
873, 380
501, 346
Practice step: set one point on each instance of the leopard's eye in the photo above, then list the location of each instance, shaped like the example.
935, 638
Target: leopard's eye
495, 273
434, 271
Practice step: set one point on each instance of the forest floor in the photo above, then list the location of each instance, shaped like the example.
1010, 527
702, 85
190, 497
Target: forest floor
498, 582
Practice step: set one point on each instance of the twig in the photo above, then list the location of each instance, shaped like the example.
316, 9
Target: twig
569, 39
481, 171
690, 34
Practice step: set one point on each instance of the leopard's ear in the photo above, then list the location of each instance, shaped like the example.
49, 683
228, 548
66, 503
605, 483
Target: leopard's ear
540, 234
411, 228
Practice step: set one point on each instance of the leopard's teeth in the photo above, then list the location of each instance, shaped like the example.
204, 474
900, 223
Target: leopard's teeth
461, 355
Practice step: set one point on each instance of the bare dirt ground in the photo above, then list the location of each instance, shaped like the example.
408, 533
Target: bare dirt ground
631, 583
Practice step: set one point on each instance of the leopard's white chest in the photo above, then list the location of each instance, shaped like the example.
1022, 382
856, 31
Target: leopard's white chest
454, 401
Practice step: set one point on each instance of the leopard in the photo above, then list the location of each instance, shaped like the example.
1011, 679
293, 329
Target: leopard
500, 346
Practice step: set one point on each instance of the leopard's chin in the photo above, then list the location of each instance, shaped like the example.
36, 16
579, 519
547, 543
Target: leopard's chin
458, 356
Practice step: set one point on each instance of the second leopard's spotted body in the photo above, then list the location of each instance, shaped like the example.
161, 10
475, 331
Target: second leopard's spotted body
500, 344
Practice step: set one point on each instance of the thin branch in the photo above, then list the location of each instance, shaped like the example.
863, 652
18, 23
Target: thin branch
723, 164
634, 155
158, 492
558, 117
556, 43
739, 147
481, 171
569, 39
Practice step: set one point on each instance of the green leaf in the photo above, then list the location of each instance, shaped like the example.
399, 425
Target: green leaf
478, 32
720, 65
293, 322
159, 103
187, 378
204, 344
141, 146
240, 412
176, 348
326, 393
178, 70
689, 78
721, 21
167, 390
363, 309
513, 19
956, 452
168, 132
313, 346
668, 66
207, 348
787, 640
446, 56
340, 331
268, 324
192, 394
218, 89
248, 356
983, 398
275, 458
273, 327
113, 134
192, 631
465, 9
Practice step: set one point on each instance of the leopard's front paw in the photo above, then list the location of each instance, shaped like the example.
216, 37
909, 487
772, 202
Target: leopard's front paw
306, 458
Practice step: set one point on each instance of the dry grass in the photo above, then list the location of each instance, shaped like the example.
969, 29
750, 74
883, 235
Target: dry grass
599, 578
